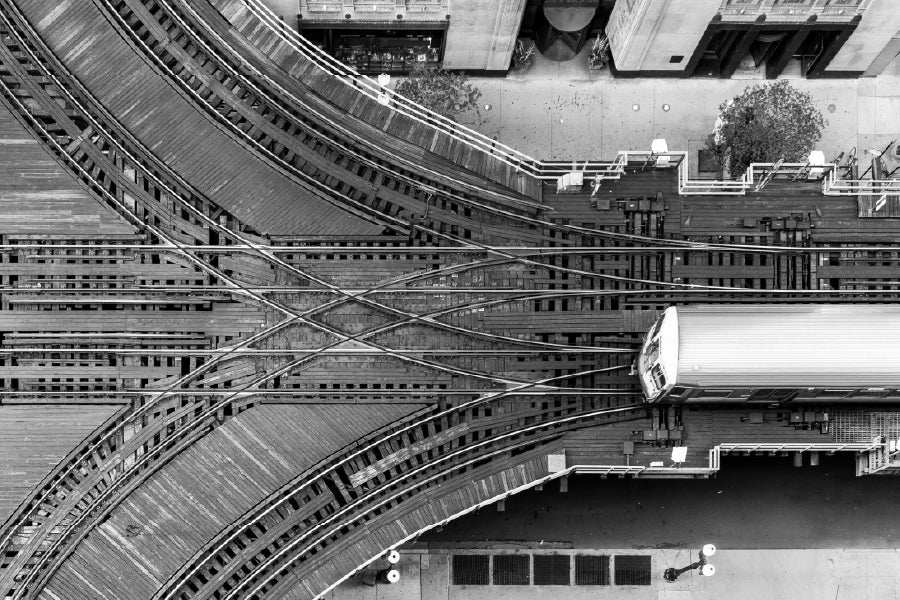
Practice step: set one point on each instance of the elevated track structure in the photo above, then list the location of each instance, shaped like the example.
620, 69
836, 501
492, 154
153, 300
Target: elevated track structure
311, 326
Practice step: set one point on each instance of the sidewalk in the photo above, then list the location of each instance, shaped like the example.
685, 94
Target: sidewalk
564, 111
836, 574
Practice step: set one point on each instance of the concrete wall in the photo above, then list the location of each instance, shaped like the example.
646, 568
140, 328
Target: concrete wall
482, 33
287, 9
880, 23
645, 34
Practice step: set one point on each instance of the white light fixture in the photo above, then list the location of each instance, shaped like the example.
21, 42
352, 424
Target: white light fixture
706, 569
635, 107
666, 107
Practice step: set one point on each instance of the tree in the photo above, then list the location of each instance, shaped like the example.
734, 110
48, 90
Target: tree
764, 124
445, 93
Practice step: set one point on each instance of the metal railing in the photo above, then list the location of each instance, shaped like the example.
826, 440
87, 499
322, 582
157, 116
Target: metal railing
798, 9
714, 466
604, 170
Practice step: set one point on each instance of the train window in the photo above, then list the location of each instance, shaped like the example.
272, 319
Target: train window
654, 329
714, 393
658, 378
771, 395
678, 391
833, 394
651, 353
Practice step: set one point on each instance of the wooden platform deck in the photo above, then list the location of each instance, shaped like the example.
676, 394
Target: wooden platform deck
701, 430
33, 439
212, 483
37, 196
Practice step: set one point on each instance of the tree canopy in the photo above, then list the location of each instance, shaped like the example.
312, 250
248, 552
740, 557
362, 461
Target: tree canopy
764, 124
444, 92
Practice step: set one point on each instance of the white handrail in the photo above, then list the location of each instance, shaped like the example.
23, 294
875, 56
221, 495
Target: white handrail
546, 170
399, 103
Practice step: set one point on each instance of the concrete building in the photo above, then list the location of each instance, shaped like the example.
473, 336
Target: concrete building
681, 38
829, 38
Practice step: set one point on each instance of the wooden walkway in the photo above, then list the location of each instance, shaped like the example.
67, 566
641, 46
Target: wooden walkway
159, 526
33, 439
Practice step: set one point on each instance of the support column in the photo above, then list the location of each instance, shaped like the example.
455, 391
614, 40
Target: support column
741, 48
785, 52
836, 43
711, 30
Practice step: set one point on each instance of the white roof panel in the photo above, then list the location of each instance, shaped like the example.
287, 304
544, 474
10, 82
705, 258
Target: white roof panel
840, 346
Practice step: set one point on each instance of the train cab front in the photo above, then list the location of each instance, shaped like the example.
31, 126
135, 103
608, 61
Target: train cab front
657, 364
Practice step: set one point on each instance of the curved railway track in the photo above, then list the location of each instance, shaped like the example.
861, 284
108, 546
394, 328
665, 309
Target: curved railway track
198, 419
293, 545
94, 146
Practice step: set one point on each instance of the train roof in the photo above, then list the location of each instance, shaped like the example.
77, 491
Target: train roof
821, 346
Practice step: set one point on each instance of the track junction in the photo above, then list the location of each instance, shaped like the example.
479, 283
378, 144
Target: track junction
322, 325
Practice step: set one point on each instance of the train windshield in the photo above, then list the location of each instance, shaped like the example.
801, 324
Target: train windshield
659, 344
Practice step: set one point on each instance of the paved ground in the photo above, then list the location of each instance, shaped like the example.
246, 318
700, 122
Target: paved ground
564, 111
834, 574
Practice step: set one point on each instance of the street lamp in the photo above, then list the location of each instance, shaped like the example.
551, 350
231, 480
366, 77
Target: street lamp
706, 569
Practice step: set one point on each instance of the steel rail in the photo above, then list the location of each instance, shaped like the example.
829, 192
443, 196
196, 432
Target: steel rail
507, 214
18, 108
54, 553
31, 574
283, 395
401, 104
268, 255
281, 552
253, 146
332, 124
199, 214
433, 419
419, 485
466, 248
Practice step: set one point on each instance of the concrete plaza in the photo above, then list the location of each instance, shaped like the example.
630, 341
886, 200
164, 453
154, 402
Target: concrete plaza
564, 111
831, 574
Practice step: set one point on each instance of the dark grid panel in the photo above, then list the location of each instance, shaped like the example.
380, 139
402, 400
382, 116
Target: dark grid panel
591, 570
511, 569
471, 569
633, 570
552, 569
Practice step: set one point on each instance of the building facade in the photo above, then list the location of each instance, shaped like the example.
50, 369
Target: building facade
674, 38
814, 38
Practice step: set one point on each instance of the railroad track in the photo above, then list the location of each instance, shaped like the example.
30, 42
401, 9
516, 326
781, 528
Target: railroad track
361, 485
198, 414
86, 146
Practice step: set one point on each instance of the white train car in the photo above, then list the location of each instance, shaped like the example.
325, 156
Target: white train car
773, 354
